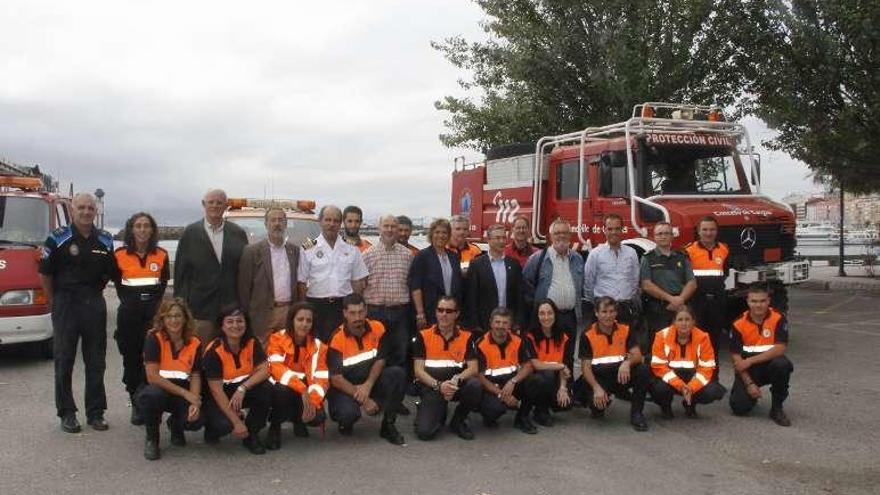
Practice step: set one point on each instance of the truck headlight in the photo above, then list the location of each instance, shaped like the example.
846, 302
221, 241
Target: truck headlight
26, 297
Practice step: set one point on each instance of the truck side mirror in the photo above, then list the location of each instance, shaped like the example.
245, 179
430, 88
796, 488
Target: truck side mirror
605, 176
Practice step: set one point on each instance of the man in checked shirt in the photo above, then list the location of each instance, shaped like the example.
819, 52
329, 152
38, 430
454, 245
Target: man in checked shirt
387, 292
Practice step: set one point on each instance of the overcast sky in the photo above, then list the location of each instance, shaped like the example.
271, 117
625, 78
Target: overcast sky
155, 102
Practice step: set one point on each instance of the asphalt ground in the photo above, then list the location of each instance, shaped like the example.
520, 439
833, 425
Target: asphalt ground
832, 447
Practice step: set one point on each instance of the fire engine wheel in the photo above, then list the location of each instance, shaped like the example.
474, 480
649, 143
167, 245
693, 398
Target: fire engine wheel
44, 349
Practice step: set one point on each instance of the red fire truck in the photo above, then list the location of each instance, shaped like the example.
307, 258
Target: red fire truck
669, 162
29, 210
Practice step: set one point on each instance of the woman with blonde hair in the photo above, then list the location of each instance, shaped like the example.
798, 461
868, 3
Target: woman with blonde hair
173, 360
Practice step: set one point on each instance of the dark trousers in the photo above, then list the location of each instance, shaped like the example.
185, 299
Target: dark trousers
153, 401
399, 327
328, 316
527, 391
547, 385
132, 322
634, 391
568, 321
287, 405
257, 401
775, 372
76, 316
663, 393
656, 317
627, 313
387, 392
711, 314
431, 415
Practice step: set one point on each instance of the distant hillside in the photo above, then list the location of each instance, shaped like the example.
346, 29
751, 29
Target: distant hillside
165, 233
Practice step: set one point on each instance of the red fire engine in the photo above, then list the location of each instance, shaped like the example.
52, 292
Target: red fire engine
669, 162
30, 209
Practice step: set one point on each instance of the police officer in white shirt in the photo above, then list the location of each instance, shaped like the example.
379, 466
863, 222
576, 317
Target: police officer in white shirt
329, 269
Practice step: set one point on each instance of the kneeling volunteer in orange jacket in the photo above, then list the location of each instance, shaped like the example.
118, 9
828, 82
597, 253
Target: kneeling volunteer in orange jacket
683, 363
298, 372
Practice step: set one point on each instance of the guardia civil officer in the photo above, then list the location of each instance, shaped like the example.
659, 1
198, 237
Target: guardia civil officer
140, 284
77, 263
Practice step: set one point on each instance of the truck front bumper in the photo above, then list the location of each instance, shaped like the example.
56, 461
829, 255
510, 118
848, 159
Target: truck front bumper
23, 329
787, 273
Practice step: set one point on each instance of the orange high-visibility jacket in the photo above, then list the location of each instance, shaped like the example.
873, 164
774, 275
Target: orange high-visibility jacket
443, 359
605, 350
140, 273
234, 371
179, 367
500, 362
547, 351
303, 369
467, 254
668, 358
755, 339
356, 352
709, 266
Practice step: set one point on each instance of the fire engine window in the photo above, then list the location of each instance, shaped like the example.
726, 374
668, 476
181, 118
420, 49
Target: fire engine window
62, 215
23, 220
683, 170
567, 180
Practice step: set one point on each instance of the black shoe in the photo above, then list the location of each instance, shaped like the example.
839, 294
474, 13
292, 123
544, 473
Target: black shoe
253, 444
151, 449
543, 418
525, 425
597, 413
136, 418
389, 432
178, 439
690, 411
98, 423
666, 412
273, 437
490, 423
70, 424
300, 430
637, 420
211, 438
779, 417
345, 430
402, 410
461, 428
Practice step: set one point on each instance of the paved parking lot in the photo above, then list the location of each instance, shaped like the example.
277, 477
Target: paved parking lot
833, 446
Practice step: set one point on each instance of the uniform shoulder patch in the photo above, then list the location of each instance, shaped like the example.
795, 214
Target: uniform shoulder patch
61, 235
309, 243
350, 240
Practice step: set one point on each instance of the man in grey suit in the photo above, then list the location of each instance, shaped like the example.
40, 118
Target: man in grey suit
206, 264
267, 277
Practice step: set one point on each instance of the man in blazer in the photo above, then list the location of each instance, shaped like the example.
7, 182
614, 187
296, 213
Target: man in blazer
493, 281
267, 277
206, 264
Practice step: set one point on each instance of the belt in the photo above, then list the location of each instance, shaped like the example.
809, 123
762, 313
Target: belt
324, 300
387, 306
285, 303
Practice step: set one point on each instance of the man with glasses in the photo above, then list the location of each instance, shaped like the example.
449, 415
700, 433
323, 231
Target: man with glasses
612, 269
667, 280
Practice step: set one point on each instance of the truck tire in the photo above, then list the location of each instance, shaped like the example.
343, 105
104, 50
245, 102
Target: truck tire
45, 350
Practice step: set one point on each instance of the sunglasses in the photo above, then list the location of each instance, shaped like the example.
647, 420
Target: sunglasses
447, 310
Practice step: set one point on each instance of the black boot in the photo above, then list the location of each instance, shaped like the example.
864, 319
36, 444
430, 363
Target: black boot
273, 437
543, 416
300, 430
151, 447
522, 420
389, 432
253, 444
459, 425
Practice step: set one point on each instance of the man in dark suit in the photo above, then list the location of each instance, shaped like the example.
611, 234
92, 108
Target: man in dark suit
267, 277
493, 281
206, 264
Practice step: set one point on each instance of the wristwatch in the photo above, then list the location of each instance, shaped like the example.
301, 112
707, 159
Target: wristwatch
436, 386
241, 388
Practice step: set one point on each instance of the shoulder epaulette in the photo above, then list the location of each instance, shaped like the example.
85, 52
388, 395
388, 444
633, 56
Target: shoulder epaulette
61, 235
350, 240
106, 239
309, 243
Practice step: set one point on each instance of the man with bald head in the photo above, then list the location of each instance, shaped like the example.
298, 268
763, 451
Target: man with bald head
77, 262
329, 269
206, 264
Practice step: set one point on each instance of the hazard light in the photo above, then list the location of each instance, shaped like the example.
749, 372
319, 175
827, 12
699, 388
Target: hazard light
26, 183
647, 112
716, 116
287, 204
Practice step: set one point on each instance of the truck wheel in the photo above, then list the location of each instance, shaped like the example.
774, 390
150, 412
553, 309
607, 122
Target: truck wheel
45, 349
779, 297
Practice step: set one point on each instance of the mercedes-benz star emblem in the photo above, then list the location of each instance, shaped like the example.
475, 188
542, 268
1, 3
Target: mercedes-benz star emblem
748, 238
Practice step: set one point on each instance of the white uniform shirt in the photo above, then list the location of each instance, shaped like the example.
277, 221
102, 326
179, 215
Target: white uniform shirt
328, 272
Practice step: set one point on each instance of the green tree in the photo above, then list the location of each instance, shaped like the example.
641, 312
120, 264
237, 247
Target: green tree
815, 78
552, 66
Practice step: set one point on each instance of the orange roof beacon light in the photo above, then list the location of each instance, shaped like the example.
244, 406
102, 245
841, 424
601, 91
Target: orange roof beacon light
647, 112
24, 183
287, 204
716, 116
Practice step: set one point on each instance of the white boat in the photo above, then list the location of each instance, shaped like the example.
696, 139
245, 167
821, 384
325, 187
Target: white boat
861, 237
817, 235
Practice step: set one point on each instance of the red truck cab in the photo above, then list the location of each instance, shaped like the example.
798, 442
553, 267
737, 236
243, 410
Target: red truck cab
668, 162
27, 216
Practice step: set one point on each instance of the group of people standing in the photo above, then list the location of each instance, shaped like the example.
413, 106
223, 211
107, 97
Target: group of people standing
277, 330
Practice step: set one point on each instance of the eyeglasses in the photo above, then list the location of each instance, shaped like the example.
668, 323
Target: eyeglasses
447, 310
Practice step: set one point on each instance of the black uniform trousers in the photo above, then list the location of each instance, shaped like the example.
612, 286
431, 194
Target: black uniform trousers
527, 391
711, 315
775, 372
328, 316
76, 315
257, 401
663, 393
628, 313
398, 324
287, 405
133, 319
634, 391
388, 392
431, 415
568, 322
547, 385
153, 401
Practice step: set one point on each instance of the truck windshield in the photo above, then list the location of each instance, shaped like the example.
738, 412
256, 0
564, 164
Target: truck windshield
692, 170
23, 220
297, 229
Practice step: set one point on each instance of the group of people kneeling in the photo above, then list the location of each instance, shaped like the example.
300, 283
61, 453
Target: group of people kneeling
531, 373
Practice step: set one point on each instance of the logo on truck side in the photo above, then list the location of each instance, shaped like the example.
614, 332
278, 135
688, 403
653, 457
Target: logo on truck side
748, 238
2, 264
507, 208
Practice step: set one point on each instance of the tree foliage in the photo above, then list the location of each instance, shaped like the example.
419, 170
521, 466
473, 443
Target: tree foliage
553, 66
816, 79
